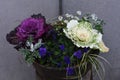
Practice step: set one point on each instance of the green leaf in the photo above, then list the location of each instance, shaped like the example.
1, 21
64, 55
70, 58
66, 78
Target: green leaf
99, 28
30, 39
36, 54
29, 59
25, 51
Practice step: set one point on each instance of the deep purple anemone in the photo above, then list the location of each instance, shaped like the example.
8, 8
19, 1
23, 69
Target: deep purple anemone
62, 47
78, 54
42, 51
70, 71
67, 59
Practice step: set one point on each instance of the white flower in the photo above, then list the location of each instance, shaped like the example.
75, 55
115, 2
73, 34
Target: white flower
83, 35
71, 16
94, 17
66, 21
79, 12
85, 18
37, 45
72, 23
102, 47
34, 46
99, 37
60, 18
28, 43
67, 15
80, 33
77, 18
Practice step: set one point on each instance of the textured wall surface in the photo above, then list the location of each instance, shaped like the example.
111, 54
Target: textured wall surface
12, 12
109, 10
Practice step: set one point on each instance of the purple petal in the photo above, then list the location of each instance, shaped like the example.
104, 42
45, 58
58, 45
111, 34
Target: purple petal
78, 54
67, 59
59, 64
42, 51
62, 47
70, 71
86, 49
32, 26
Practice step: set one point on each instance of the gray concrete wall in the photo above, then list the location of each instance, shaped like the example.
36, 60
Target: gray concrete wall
12, 12
109, 10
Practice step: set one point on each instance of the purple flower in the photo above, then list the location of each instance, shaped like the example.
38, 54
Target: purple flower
62, 47
42, 51
52, 34
34, 27
67, 59
86, 49
78, 54
70, 71
59, 64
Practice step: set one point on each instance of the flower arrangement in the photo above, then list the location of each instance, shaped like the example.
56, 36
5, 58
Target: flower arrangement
69, 41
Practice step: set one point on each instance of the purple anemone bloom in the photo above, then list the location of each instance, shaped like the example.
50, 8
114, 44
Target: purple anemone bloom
62, 47
78, 54
59, 64
70, 71
67, 59
86, 49
42, 51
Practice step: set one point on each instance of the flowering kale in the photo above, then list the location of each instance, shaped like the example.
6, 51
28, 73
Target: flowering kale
67, 59
70, 71
42, 51
34, 27
12, 38
84, 35
78, 54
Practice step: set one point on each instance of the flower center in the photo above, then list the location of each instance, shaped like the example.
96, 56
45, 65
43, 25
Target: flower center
83, 35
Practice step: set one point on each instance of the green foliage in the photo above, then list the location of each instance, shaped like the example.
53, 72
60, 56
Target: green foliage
99, 28
29, 56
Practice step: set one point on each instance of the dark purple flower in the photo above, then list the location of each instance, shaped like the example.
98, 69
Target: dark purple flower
52, 34
86, 49
12, 38
62, 47
42, 51
70, 71
34, 27
78, 54
59, 64
49, 53
67, 59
